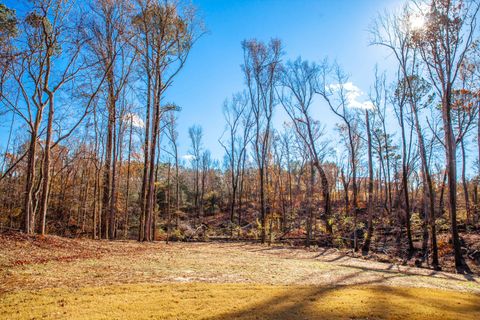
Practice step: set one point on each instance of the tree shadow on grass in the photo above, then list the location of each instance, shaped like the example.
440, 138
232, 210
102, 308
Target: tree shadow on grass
294, 304
269, 248
351, 302
322, 253
410, 271
340, 256
370, 299
467, 276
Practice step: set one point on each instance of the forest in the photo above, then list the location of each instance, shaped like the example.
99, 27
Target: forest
90, 141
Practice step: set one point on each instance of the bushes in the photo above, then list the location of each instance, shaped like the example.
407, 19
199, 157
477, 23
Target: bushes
184, 232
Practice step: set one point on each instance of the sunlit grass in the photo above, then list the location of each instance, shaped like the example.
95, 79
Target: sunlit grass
238, 301
131, 280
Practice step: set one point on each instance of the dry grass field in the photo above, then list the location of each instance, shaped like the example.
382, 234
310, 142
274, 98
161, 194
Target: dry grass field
57, 278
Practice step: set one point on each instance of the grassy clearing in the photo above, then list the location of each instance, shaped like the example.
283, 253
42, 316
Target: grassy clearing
239, 301
58, 278
65, 263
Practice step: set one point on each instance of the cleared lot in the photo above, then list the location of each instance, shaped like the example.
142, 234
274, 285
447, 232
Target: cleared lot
61, 278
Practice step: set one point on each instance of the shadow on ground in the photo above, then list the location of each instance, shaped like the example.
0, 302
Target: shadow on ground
369, 299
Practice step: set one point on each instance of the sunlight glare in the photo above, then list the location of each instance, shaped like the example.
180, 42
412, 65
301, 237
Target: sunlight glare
417, 21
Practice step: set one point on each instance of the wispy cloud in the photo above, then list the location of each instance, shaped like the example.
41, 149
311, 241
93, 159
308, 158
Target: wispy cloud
137, 122
355, 97
188, 157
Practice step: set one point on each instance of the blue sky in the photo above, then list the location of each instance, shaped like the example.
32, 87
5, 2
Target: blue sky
312, 29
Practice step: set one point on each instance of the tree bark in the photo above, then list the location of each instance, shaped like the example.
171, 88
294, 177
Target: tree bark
366, 243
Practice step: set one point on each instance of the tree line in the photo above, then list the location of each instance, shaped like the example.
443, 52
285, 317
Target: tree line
92, 146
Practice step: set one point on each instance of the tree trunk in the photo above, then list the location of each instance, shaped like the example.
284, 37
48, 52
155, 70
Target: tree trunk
450, 145
326, 198
113, 188
405, 183
29, 214
262, 204
147, 235
127, 195
464, 183
146, 155
366, 243
310, 217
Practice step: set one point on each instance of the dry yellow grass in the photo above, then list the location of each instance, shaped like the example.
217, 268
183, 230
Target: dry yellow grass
239, 301
57, 278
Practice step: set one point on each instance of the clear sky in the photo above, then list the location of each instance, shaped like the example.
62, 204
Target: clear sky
312, 29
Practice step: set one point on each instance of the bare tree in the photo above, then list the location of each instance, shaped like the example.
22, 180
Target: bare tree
393, 33
261, 69
299, 82
366, 243
237, 131
48, 58
206, 164
443, 42
335, 95
166, 34
109, 42
172, 136
195, 134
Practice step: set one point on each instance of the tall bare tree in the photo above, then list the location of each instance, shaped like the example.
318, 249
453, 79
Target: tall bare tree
237, 131
109, 41
166, 32
195, 134
261, 68
300, 80
336, 97
443, 41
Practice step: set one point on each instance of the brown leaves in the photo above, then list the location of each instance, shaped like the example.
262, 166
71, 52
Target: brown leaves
21, 249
